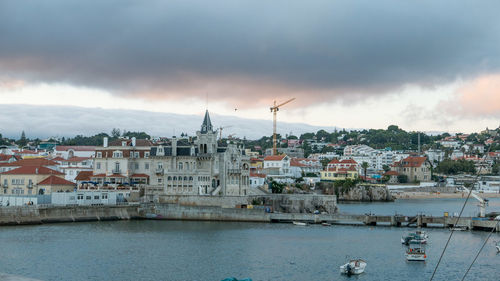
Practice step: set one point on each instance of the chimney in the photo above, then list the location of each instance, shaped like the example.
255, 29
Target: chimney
133, 141
105, 142
174, 146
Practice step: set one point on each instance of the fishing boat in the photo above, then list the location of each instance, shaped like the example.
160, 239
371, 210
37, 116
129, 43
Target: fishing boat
417, 237
299, 223
353, 267
415, 254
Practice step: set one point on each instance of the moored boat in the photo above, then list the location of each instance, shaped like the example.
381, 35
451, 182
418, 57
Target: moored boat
415, 254
417, 237
299, 223
353, 267
498, 246
326, 224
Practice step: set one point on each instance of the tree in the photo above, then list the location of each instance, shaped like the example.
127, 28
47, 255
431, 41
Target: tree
276, 187
22, 141
115, 133
364, 165
386, 168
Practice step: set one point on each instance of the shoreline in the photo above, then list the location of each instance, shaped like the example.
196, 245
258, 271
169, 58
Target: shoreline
438, 195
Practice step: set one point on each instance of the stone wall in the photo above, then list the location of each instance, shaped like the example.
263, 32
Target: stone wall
50, 214
290, 203
360, 192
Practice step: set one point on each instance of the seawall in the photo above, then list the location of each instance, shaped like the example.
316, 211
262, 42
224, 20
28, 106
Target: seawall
52, 214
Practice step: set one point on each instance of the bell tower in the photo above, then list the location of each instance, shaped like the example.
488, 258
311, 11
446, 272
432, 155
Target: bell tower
207, 137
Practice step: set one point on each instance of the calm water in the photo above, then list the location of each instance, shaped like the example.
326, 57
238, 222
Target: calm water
177, 250
411, 207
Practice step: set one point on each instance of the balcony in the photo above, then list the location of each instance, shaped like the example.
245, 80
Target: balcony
234, 171
117, 171
159, 171
30, 186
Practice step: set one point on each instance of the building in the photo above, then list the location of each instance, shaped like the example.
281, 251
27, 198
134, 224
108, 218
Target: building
71, 167
31, 180
435, 156
192, 166
277, 165
340, 170
70, 151
416, 168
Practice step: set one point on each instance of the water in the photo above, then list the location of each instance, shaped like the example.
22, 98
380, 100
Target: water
188, 250
411, 207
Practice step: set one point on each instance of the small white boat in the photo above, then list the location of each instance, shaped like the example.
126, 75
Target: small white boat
498, 246
459, 228
415, 254
353, 267
326, 224
299, 223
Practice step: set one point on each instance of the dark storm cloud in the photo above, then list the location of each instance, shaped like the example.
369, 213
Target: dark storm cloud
168, 46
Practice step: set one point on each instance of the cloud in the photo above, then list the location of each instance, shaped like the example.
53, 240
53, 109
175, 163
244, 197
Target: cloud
248, 52
478, 98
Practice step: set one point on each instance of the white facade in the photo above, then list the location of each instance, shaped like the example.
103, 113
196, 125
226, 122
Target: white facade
101, 197
435, 156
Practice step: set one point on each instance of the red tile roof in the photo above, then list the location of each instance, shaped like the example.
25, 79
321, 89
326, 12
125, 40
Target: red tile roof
83, 176
412, 161
55, 180
34, 162
391, 173
32, 170
255, 175
296, 163
275, 157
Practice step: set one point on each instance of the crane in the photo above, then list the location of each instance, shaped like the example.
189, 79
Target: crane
220, 131
482, 202
274, 109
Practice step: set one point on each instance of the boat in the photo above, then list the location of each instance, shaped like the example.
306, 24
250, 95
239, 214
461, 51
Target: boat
326, 224
415, 254
299, 223
353, 267
498, 246
417, 237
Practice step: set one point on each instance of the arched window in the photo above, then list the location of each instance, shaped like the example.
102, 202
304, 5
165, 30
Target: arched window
169, 178
187, 166
180, 165
190, 178
175, 178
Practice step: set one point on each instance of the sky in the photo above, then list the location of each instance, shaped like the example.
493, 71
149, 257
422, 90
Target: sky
422, 65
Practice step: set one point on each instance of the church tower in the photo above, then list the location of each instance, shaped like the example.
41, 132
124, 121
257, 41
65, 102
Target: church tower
207, 137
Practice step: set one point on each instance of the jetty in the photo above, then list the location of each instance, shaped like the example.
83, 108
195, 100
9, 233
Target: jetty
471, 223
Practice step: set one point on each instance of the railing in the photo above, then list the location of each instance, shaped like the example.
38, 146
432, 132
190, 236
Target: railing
234, 171
159, 171
116, 171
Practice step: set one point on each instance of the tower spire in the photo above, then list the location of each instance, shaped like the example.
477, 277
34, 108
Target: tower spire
206, 126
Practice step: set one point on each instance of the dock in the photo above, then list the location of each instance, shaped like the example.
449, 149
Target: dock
470, 223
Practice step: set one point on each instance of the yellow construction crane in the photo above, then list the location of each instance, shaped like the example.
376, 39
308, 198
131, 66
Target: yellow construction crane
274, 109
220, 131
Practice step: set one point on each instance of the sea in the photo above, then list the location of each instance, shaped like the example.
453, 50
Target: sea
200, 250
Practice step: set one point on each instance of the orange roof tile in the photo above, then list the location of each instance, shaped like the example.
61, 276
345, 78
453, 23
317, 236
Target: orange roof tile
32, 170
275, 157
55, 180
83, 176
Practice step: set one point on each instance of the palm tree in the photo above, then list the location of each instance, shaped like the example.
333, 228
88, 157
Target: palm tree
364, 165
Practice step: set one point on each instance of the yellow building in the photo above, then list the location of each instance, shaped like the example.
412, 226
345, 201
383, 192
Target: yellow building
340, 170
30, 180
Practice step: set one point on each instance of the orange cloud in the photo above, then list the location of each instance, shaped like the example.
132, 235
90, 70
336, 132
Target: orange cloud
480, 97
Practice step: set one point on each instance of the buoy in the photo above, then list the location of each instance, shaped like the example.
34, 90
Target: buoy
425, 256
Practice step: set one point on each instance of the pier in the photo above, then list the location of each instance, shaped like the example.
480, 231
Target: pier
470, 223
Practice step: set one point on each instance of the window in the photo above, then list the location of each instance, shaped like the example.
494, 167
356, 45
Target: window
159, 180
98, 165
99, 155
88, 197
104, 196
80, 196
136, 154
117, 154
146, 166
180, 166
136, 166
160, 165
117, 167
146, 154
96, 197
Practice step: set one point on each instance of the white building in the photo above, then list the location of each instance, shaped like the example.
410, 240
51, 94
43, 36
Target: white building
435, 156
70, 151
73, 166
277, 165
